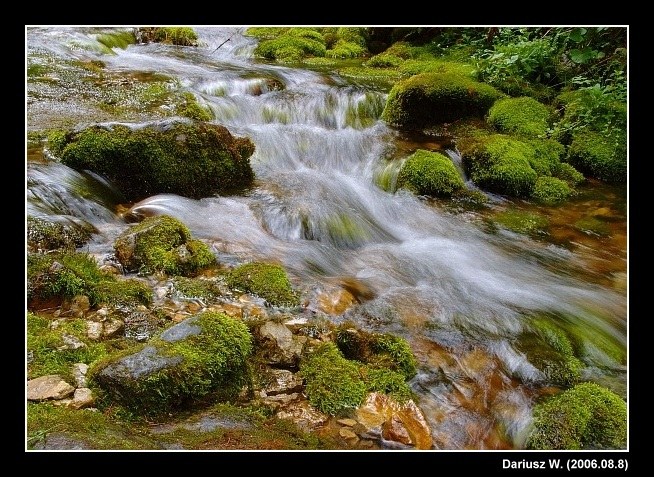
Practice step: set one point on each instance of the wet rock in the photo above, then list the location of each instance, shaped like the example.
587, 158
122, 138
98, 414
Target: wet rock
280, 345
182, 330
79, 374
346, 433
347, 422
234, 311
282, 381
83, 397
51, 386
399, 422
94, 330
71, 342
280, 400
336, 302
303, 415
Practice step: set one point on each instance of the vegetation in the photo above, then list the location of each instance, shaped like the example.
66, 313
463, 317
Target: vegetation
182, 36
164, 244
550, 190
430, 173
267, 280
193, 159
44, 235
597, 155
522, 116
587, 416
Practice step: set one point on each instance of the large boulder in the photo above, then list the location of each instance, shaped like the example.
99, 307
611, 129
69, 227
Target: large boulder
184, 157
599, 156
430, 173
522, 116
200, 355
433, 98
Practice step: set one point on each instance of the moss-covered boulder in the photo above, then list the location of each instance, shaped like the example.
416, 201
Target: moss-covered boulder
54, 277
430, 173
189, 158
203, 354
599, 156
550, 190
291, 44
500, 164
522, 116
45, 235
587, 416
267, 280
164, 244
433, 98
182, 36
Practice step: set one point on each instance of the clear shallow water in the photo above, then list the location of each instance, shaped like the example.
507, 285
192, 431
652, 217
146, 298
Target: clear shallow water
460, 294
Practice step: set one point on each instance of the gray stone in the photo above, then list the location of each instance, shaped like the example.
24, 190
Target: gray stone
112, 327
181, 330
51, 386
83, 397
79, 374
58, 441
285, 348
94, 330
137, 365
71, 342
282, 382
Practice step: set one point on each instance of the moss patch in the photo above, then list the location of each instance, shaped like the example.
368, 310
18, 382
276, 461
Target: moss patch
43, 235
267, 280
522, 222
193, 159
430, 173
599, 156
588, 416
162, 243
433, 98
551, 191
522, 116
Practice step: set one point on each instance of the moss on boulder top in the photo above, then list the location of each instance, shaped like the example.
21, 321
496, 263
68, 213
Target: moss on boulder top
267, 280
44, 235
200, 355
587, 416
433, 98
429, 173
522, 116
189, 158
164, 244
599, 156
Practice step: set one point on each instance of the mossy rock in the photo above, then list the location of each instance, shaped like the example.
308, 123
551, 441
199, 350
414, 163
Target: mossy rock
345, 49
568, 173
430, 173
292, 45
203, 354
599, 156
433, 98
181, 36
47, 350
587, 416
164, 244
547, 155
119, 39
44, 235
551, 191
64, 275
523, 222
189, 158
267, 280
501, 164
522, 116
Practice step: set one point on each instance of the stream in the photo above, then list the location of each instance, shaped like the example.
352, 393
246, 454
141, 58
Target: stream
459, 291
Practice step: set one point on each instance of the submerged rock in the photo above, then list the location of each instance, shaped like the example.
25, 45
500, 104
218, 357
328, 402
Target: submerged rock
189, 158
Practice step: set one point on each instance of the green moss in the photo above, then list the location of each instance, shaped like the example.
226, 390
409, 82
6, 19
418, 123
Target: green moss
120, 39
361, 73
196, 288
292, 44
63, 275
430, 173
215, 359
333, 383
568, 173
267, 280
593, 226
500, 164
587, 416
386, 381
432, 98
43, 235
354, 35
346, 232
318, 61
191, 109
57, 141
265, 33
522, 222
193, 159
162, 243
551, 191
522, 116
182, 36
599, 156
547, 155
95, 430
435, 65
345, 49
384, 60
48, 351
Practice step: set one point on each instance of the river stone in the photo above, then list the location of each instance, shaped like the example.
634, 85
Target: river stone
137, 365
112, 327
51, 386
79, 374
282, 382
94, 330
347, 422
394, 419
283, 347
71, 342
347, 433
305, 416
58, 441
181, 330
83, 397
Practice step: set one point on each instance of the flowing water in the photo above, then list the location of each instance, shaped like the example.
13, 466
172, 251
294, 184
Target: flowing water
460, 291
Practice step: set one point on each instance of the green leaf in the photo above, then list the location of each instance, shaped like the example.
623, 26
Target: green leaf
577, 34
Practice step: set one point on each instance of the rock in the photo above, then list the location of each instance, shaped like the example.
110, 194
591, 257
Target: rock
347, 422
79, 374
399, 422
234, 311
280, 345
71, 342
94, 330
51, 386
336, 302
112, 327
58, 441
303, 415
280, 400
346, 433
79, 305
182, 330
282, 382
83, 397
